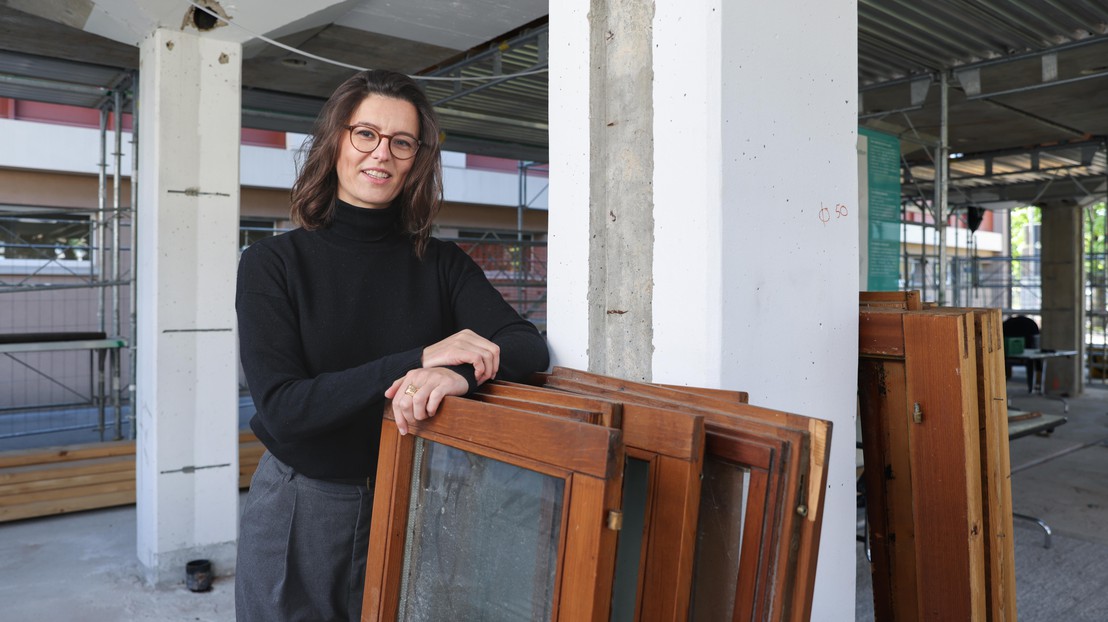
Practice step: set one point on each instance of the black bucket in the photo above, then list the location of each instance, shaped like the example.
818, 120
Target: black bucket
198, 575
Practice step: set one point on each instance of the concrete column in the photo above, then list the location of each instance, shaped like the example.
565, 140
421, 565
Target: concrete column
749, 170
1063, 308
187, 226
621, 219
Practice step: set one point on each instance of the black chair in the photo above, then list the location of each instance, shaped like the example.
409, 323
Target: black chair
1023, 326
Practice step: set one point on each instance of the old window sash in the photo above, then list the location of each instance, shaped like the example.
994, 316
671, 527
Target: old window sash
785, 455
665, 449
586, 460
949, 362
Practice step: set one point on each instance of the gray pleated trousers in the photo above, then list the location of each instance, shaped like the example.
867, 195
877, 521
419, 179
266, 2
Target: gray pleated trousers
302, 547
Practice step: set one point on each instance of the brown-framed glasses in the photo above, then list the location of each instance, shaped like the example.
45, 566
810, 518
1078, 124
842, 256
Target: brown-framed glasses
366, 139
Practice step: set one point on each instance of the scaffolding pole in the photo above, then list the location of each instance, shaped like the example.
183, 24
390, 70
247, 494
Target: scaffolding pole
133, 341
117, 207
942, 167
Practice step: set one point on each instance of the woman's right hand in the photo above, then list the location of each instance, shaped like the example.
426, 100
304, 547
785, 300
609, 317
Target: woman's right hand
465, 347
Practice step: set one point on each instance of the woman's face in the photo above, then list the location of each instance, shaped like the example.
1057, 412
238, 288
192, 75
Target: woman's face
372, 180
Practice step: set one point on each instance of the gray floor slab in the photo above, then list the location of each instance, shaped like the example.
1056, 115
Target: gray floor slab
83, 566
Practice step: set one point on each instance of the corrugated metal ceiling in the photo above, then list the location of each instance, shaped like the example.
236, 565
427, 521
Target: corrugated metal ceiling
1023, 75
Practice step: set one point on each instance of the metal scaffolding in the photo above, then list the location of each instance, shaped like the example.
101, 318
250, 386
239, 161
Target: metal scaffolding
97, 265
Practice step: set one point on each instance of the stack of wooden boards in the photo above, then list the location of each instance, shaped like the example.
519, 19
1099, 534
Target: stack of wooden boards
933, 408
721, 517
56, 480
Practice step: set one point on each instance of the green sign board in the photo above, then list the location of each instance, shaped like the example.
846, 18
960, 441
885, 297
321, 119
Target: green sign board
882, 243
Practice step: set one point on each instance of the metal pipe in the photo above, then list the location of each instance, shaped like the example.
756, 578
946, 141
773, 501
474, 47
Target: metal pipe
481, 87
942, 173
97, 254
885, 113
117, 180
133, 343
1041, 85
519, 232
53, 85
476, 116
101, 206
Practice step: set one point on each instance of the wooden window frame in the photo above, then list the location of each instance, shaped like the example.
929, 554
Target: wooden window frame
787, 457
938, 493
671, 442
591, 466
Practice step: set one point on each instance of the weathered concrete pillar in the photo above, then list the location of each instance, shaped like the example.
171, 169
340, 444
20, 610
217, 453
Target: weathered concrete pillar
187, 226
1063, 308
621, 223
683, 247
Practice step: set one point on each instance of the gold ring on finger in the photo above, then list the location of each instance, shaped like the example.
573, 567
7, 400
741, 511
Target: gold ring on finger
411, 390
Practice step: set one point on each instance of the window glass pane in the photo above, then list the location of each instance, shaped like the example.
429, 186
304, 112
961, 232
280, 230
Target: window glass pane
718, 540
44, 236
482, 540
252, 230
636, 477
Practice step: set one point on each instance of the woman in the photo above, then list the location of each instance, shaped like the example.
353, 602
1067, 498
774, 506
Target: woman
356, 306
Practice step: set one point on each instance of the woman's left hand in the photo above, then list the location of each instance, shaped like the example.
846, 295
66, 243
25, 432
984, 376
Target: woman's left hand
417, 395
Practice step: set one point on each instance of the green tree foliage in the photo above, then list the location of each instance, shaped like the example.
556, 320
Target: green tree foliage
1022, 218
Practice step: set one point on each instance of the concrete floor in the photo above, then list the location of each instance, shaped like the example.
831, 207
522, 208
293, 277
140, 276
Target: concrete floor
83, 566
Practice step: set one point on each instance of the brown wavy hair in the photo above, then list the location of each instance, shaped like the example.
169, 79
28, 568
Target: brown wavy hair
316, 186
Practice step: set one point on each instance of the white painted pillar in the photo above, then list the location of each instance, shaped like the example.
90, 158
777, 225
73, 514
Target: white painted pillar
754, 135
187, 225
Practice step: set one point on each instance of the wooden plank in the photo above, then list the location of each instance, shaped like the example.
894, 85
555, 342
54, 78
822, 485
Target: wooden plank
909, 300
389, 524
576, 414
250, 454
587, 578
742, 397
124, 496
60, 495
1000, 565
41, 482
655, 427
880, 332
51, 455
499, 427
888, 481
611, 412
68, 481
670, 543
42, 474
941, 371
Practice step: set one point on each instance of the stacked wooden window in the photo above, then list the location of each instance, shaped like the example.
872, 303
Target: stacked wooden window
717, 504
933, 409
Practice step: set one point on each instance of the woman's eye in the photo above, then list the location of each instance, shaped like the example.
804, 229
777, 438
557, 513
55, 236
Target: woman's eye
367, 134
404, 143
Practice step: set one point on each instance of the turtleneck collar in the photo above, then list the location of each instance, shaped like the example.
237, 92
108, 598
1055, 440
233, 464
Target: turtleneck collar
365, 224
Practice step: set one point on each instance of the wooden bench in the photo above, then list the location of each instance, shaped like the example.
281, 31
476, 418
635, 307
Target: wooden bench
57, 480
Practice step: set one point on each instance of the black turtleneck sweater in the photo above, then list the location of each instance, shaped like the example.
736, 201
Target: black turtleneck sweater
328, 319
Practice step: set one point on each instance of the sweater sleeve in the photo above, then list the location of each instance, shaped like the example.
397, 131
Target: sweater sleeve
478, 306
291, 402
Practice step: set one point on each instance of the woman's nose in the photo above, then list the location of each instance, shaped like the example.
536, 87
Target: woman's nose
383, 150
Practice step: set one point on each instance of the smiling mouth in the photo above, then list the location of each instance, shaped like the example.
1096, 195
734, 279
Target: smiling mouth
378, 174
